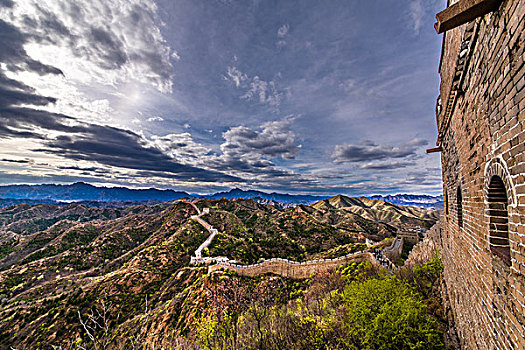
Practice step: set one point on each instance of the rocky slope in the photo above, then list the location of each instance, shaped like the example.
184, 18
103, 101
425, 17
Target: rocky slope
381, 211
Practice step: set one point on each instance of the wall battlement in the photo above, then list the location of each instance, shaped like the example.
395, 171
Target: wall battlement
292, 269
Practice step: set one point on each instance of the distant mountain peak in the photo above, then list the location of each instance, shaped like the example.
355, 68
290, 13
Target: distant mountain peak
81, 184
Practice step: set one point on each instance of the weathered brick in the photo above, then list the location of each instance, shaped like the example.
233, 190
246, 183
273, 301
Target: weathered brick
486, 131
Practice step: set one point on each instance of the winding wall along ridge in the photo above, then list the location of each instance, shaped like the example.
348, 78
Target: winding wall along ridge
292, 269
207, 242
277, 266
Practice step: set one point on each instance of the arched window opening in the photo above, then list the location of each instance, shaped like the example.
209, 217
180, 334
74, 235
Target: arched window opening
460, 207
498, 219
446, 202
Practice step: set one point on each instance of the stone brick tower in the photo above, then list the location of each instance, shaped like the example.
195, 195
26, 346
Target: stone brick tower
481, 137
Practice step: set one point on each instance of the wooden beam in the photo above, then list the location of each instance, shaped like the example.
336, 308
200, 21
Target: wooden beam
462, 12
434, 150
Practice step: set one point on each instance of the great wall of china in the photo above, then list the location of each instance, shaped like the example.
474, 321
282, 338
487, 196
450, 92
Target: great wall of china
293, 269
289, 268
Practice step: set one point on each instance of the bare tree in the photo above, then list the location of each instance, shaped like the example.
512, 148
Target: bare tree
97, 326
138, 340
229, 300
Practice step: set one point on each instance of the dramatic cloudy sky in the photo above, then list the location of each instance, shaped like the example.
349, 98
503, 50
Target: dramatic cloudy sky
204, 95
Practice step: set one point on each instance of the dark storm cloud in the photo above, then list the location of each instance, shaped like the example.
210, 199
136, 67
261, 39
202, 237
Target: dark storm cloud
15, 56
125, 149
20, 121
6, 3
368, 151
88, 169
13, 93
109, 49
25, 121
20, 161
103, 144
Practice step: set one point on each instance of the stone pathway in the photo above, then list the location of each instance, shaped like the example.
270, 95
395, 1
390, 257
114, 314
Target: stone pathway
382, 260
197, 258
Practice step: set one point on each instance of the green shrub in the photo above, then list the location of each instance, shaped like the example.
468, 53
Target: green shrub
386, 314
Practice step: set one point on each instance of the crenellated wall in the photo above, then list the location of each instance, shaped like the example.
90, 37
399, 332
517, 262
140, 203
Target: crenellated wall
292, 269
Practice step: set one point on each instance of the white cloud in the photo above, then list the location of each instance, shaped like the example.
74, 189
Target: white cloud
175, 55
349, 85
255, 88
265, 91
236, 76
182, 147
417, 12
281, 43
273, 141
155, 119
283, 30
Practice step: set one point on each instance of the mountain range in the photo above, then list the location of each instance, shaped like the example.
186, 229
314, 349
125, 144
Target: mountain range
81, 191
121, 196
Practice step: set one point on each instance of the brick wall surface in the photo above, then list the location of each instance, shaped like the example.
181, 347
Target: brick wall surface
485, 137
